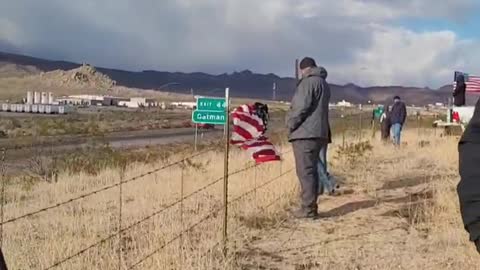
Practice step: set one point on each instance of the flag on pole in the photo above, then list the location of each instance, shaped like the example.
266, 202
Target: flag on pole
472, 81
249, 134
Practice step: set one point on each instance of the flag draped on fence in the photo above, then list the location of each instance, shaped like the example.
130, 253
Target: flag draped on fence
472, 81
248, 133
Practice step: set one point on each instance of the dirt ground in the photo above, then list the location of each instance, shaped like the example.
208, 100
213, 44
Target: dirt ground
399, 211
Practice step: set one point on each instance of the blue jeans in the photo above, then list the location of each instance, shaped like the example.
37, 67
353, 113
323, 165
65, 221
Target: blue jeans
396, 131
326, 181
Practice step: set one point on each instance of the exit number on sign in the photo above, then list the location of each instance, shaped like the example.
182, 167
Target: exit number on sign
211, 104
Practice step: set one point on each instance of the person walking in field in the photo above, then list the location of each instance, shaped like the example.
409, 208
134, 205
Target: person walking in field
385, 124
327, 182
398, 115
308, 127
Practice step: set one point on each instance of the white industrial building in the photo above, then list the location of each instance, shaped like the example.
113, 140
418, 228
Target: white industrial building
138, 102
344, 103
37, 102
97, 100
184, 105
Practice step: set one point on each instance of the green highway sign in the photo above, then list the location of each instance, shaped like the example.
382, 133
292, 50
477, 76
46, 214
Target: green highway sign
211, 104
209, 117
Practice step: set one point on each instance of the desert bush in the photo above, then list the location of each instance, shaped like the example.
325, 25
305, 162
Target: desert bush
352, 153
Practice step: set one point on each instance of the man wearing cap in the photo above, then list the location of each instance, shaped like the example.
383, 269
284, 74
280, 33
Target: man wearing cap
398, 115
308, 126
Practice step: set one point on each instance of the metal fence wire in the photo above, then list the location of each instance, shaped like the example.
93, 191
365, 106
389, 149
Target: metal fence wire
121, 229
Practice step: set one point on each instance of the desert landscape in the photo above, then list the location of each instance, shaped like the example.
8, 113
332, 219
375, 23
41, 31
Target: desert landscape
399, 208
155, 134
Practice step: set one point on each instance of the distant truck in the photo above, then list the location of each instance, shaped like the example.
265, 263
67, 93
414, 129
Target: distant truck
456, 117
205, 126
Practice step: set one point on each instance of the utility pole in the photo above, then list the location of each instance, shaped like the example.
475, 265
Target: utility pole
296, 70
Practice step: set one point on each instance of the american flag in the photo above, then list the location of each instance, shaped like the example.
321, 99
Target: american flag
472, 81
248, 133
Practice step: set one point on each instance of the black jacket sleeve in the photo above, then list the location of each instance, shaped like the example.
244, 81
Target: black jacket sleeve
403, 113
469, 187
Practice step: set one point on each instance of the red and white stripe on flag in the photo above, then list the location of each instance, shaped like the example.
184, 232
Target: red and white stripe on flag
248, 134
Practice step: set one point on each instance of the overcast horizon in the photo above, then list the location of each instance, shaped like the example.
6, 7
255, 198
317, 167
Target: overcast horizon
412, 42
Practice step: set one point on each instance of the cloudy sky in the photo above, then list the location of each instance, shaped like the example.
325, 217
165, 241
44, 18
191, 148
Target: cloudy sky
368, 42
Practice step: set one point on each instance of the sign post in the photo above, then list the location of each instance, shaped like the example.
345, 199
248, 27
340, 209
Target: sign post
216, 111
225, 170
196, 137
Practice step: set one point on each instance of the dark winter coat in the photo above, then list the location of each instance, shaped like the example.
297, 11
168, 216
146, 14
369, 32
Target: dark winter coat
469, 187
459, 92
398, 113
308, 115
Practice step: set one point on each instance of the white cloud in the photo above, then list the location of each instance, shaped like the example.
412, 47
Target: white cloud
225, 35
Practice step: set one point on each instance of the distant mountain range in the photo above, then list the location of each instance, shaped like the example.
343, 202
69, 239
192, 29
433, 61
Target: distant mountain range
242, 84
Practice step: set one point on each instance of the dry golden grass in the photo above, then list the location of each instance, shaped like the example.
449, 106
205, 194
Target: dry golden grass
403, 214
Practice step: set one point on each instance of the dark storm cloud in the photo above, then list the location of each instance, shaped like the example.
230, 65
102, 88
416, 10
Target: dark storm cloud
207, 35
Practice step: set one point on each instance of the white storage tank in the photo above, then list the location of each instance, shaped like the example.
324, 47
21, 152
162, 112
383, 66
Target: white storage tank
19, 107
64, 109
50, 109
50, 98
27, 108
35, 108
13, 107
44, 99
41, 108
36, 98
29, 97
5, 107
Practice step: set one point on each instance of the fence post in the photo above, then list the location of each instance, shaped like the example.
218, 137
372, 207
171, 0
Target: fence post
255, 193
225, 170
2, 207
120, 210
361, 126
344, 129
182, 226
418, 125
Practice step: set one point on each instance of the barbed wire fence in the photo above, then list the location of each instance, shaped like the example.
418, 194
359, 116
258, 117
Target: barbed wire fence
121, 228
348, 123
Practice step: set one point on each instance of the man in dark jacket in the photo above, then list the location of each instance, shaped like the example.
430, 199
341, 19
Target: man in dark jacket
469, 187
308, 126
398, 115
459, 92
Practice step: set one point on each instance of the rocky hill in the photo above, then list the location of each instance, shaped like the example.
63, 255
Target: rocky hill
242, 84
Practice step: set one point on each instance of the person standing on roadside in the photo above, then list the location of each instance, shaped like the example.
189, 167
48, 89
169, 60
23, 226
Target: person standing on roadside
398, 115
327, 182
469, 187
309, 130
460, 90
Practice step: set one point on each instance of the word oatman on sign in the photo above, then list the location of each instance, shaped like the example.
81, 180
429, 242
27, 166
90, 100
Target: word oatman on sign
210, 111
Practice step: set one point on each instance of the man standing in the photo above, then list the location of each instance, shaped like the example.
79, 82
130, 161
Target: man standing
469, 187
327, 181
308, 126
398, 115
459, 92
